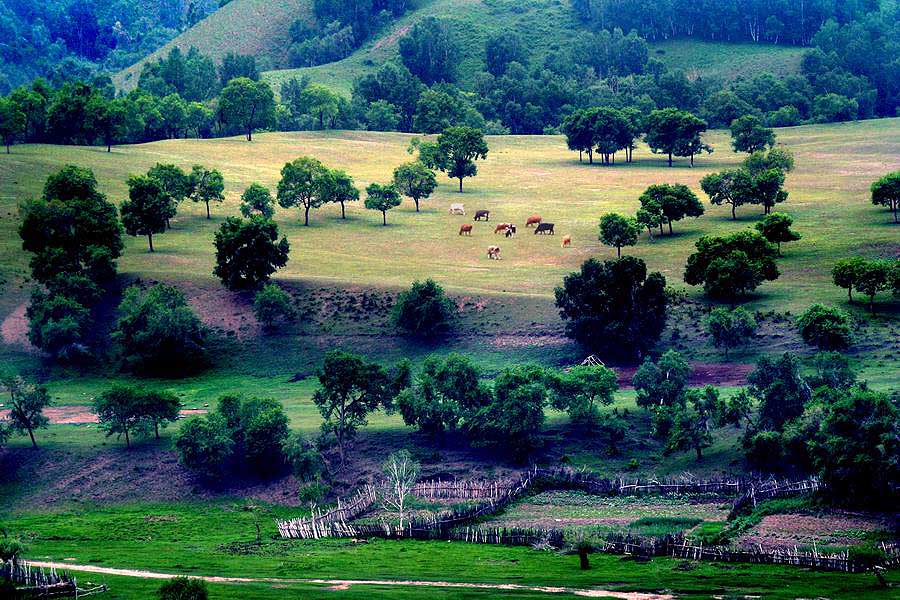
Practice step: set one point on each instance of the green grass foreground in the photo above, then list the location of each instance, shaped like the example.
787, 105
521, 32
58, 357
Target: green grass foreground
198, 539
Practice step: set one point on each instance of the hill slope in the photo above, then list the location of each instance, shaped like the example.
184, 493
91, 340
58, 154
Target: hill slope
256, 27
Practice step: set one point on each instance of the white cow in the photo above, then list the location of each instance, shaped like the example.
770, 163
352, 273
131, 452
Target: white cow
457, 209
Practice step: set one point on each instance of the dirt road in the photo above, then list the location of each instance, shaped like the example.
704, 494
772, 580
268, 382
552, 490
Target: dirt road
344, 584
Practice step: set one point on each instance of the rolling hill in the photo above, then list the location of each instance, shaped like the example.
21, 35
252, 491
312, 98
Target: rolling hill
545, 25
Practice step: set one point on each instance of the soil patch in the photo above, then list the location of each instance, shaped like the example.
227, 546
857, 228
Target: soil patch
77, 415
14, 329
837, 529
717, 374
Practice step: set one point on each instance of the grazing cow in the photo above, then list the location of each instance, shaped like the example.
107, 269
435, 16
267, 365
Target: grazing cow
494, 252
511, 231
457, 209
465, 229
482, 215
533, 220
567, 241
544, 228
501, 227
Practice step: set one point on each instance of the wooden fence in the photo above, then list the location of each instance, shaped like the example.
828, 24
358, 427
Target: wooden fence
32, 582
332, 523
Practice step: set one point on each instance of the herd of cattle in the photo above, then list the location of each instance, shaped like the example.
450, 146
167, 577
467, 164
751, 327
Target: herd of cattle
508, 229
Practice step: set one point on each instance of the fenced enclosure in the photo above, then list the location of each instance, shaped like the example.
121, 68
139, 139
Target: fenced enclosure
36, 582
461, 524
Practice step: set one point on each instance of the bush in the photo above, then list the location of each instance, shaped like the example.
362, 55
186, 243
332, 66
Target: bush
205, 446
183, 588
765, 450
304, 458
272, 305
826, 327
423, 311
312, 493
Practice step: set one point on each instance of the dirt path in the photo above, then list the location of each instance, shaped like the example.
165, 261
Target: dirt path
344, 584
74, 415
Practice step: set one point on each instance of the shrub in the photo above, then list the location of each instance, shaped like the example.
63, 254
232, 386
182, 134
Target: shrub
304, 458
826, 327
183, 588
205, 446
765, 450
272, 305
423, 311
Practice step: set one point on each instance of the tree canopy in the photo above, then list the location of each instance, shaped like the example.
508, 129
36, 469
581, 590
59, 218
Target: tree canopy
248, 252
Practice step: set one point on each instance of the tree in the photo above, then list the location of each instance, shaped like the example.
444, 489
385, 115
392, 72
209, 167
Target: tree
304, 458
650, 215
337, 186
780, 389
458, 149
873, 276
436, 111
257, 201
160, 408
247, 104
674, 202
157, 332
614, 305
826, 327
675, 133
415, 180
119, 411
322, 103
501, 49
581, 389
12, 121
248, 252
731, 266
423, 311
430, 52
57, 324
147, 209
272, 304
174, 182
26, 406
300, 185
205, 446
235, 66
886, 192
349, 389
768, 189
856, 451
730, 328
618, 231
514, 417
183, 588
776, 158
72, 228
689, 431
383, 198
401, 473
845, 273
661, 384
748, 134
776, 228
732, 186
207, 185
263, 433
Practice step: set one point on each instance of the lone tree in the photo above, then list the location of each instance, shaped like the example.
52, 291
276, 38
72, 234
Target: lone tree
732, 186
248, 252
26, 406
748, 134
614, 305
337, 186
776, 227
207, 185
272, 304
618, 231
458, 148
733, 265
147, 209
401, 473
301, 185
845, 274
675, 133
247, 104
159, 408
415, 180
423, 311
826, 327
257, 201
119, 411
349, 389
730, 328
174, 182
382, 198
671, 202
886, 192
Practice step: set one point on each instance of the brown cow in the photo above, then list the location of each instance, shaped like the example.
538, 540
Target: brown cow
567, 241
465, 229
533, 220
501, 227
494, 252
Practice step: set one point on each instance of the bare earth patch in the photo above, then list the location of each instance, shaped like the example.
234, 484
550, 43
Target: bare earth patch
719, 374
221, 309
838, 529
14, 329
78, 415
